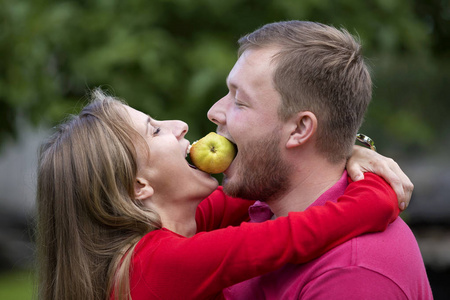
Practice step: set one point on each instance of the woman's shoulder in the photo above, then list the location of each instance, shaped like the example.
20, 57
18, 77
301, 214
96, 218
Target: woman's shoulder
155, 238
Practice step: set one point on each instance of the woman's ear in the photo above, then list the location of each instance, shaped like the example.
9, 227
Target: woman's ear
142, 189
304, 126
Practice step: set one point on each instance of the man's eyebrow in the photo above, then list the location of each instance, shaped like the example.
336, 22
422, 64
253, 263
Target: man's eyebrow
227, 80
231, 85
234, 86
241, 90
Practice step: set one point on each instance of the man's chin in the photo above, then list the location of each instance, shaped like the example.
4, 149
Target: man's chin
227, 185
237, 191
230, 188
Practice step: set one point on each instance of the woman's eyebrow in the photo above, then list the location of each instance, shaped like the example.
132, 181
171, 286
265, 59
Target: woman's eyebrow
147, 123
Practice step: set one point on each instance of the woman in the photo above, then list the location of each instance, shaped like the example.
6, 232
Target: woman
116, 215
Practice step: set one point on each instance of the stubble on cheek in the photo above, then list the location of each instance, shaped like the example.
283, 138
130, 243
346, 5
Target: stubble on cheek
260, 173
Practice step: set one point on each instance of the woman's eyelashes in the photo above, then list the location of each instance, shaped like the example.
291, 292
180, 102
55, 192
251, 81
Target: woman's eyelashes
156, 131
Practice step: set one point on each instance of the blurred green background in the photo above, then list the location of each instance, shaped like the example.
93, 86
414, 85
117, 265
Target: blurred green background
170, 59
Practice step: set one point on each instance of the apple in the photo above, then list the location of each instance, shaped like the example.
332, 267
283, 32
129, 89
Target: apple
213, 153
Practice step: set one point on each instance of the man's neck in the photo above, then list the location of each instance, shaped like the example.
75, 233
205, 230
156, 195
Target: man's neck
306, 186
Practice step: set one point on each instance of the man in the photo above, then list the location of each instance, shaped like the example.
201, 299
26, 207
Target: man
297, 96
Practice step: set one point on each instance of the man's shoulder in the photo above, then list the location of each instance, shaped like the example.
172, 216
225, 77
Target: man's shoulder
396, 248
380, 250
390, 258
391, 254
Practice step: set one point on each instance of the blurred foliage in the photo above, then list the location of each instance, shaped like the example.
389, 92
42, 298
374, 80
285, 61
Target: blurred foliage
170, 58
16, 285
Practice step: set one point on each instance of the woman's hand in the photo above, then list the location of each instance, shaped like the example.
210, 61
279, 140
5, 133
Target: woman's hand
365, 160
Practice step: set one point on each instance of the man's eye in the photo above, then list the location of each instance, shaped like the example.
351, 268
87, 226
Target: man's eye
237, 103
157, 130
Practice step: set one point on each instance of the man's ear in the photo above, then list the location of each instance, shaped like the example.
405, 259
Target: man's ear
304, 126
142, 189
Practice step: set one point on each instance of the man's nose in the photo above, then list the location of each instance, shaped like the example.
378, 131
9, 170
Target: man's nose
216, 113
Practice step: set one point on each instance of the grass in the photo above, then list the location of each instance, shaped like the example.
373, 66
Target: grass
16, 285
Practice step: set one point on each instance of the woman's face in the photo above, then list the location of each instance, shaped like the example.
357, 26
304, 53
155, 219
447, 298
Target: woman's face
164, 166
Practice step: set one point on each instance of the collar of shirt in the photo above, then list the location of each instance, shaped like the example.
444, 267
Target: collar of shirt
260, 211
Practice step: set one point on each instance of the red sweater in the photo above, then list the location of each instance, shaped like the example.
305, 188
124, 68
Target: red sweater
166, 265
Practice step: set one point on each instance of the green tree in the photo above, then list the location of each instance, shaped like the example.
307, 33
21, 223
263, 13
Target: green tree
170, 58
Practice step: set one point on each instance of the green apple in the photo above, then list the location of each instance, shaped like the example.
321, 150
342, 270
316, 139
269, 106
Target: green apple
213, 153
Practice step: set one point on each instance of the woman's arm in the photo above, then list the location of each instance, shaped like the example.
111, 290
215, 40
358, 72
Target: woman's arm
219, 211
203, 265
364, 160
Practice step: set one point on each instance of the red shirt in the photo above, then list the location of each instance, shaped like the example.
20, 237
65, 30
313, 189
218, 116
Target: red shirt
166, 265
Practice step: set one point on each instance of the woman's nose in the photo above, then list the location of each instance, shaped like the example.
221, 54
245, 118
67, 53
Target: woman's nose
180, 129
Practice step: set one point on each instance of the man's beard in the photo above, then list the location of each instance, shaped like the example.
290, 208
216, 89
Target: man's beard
261, 173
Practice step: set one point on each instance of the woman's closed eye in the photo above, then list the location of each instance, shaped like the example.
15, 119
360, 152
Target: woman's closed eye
156, 131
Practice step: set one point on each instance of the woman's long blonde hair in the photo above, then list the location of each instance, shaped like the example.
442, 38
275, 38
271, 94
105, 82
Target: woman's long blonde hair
88, 221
